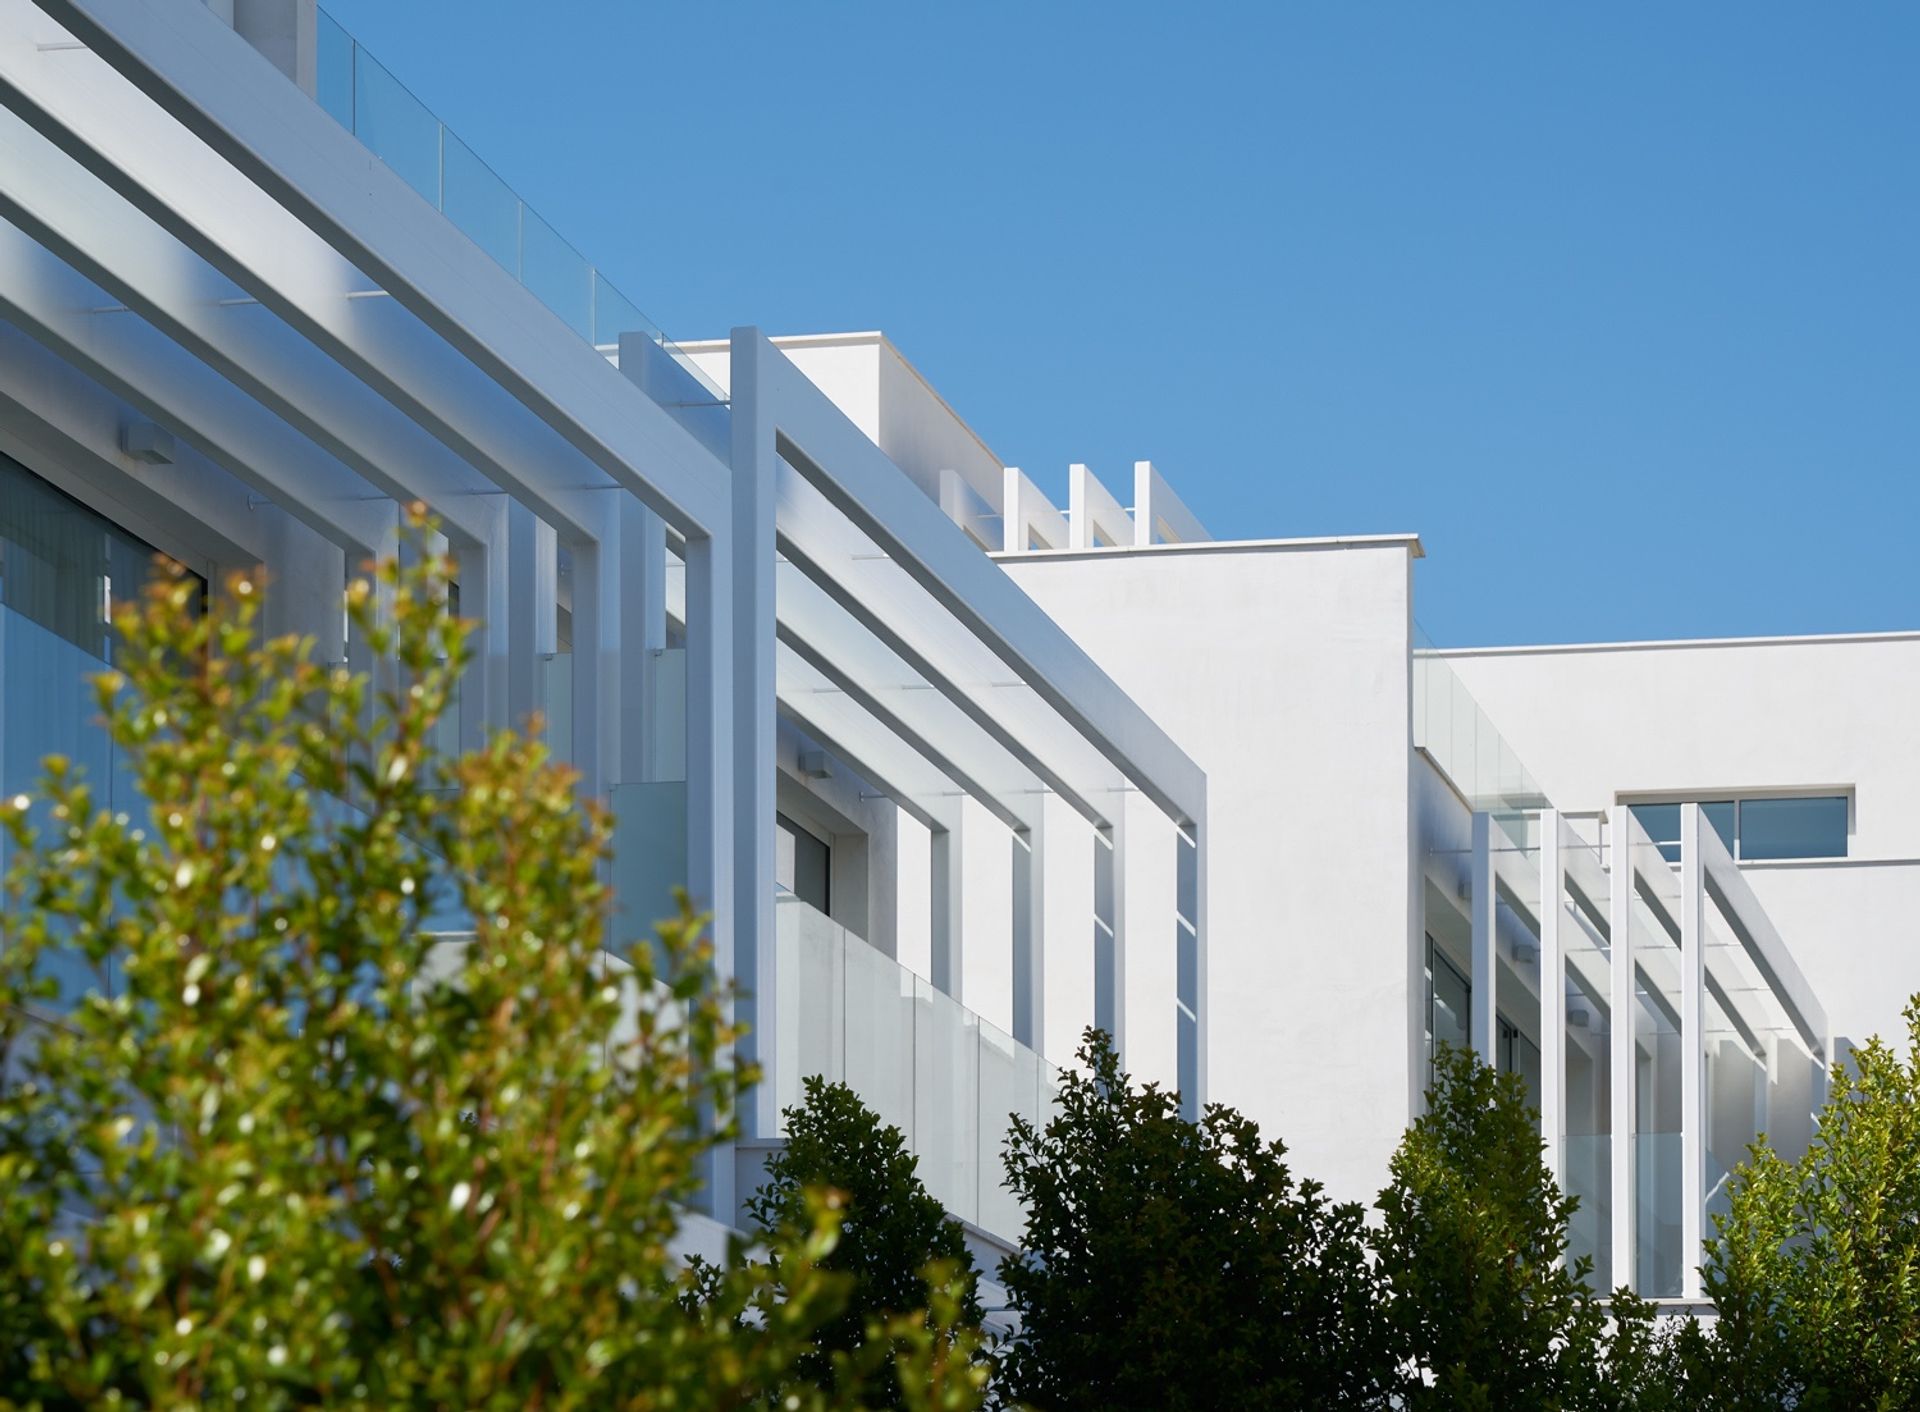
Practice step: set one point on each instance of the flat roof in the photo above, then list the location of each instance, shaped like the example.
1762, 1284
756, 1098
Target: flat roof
1835, 639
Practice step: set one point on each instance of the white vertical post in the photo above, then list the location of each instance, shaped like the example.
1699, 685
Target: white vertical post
1483, 1025
1620, 1044
1030, 931
710, 766
520, 614
949, 890
1203, 1009
595, 675
1693, 1052
1553, 992
754, 773
1118, 995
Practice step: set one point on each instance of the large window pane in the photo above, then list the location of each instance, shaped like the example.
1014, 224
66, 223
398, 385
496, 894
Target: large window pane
1793, 828
1720, 815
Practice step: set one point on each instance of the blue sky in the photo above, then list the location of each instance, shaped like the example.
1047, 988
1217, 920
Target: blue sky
1617, 305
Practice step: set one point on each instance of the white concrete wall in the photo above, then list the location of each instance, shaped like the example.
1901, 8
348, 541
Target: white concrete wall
1597, 724
1283, 671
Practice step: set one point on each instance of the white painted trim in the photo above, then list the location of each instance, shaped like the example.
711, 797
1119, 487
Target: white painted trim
1411, 542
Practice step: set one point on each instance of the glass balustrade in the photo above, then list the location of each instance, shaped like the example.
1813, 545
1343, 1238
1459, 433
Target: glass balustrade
1450, 726
949, 1080
394, 125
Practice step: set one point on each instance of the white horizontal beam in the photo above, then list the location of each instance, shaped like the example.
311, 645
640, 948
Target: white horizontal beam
852, 474
208, 78
1733, 897
106, 241
136, 362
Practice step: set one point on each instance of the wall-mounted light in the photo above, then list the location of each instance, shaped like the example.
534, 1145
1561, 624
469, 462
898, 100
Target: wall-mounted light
815, 765
147, 441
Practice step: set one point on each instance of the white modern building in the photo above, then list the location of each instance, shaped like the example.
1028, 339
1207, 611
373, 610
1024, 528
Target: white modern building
959, 767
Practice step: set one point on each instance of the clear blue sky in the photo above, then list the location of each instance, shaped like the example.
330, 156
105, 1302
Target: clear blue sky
1617, 305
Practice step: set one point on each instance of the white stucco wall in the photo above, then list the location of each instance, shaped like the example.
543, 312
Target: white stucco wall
1598, 724
1283, 671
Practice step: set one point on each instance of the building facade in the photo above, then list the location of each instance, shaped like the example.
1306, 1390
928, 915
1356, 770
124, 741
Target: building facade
959, 771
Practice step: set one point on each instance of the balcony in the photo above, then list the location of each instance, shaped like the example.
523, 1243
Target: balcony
949, 1080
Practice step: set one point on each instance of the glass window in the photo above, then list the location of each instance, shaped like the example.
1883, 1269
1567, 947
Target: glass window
61, 565
1449, 1002
1662, 823
1757, 829
1793, 828
802, 863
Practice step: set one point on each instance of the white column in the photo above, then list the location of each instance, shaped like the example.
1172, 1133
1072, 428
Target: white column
1620, 1044
754, 777
1118, 919
1067, 957
710, 796
949, 891
520, 598
595, 676
1553, 992
985, 974
1483, 1026
1693, 1052
1191, 901
1030, 930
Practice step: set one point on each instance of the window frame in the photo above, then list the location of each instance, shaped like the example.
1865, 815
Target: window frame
1670, 848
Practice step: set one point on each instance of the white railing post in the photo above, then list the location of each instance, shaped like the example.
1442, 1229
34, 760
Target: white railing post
1484, 1024
1693, 1052
1620, 1044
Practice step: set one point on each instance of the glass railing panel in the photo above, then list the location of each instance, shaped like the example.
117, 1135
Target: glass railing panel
946, 1099
879, 1045
333, 69
554, 700
649, 856
1009, 1086
1658, 1256
615, 314
812, 1017
558, 275
395, 126
481, 204
1588, 1176
367, 100
927, 1065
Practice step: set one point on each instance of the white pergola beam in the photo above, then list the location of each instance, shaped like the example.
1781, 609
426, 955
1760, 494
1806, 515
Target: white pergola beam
108, 243
205, 76
855, 477
130, 358
1733, 896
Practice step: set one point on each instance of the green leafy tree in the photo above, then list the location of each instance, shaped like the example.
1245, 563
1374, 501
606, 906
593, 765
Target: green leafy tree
1175, 1264
1815, 1269
1485, 1310
897, 1245
294, 1150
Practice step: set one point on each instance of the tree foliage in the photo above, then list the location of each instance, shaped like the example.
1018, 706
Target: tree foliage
1815, 1269
269, 1160
897, 1245
1173, 1264
1485, 1311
